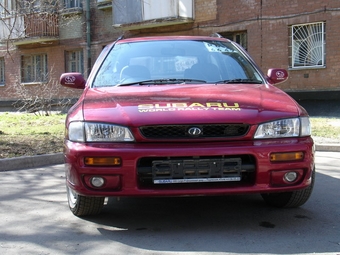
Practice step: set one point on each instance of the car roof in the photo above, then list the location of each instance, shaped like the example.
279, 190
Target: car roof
172, 38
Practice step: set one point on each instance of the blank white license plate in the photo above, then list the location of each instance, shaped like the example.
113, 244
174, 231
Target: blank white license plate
197, 180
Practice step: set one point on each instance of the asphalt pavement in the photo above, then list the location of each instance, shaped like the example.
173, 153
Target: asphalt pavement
35, 219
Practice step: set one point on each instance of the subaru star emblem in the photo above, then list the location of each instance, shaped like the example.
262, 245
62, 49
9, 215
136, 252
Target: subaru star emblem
194, 131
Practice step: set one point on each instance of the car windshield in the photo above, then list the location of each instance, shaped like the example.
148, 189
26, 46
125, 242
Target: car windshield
175, 62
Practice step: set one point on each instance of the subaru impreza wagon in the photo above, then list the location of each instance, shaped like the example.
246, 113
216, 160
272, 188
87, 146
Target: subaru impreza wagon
182, 116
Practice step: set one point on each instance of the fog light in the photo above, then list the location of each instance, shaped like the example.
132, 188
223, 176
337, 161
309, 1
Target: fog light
290, 176
286, 177
97, 181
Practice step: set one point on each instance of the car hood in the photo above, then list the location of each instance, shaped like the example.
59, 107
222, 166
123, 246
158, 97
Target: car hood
184, 104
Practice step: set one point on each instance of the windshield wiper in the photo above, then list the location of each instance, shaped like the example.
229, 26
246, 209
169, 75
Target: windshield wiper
171, 81
162, 81
235, 81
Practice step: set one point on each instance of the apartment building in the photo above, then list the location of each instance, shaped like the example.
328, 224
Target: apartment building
40, 39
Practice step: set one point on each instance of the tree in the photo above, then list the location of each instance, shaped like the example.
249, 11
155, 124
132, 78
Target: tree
39, 99
25, 19
18, 18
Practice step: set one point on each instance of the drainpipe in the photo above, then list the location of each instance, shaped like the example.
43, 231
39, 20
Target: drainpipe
88, 35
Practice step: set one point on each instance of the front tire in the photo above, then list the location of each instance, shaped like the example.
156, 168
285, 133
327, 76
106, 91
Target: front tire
290, 199
83, 205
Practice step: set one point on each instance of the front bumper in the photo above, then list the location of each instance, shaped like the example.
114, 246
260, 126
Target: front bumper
135, 176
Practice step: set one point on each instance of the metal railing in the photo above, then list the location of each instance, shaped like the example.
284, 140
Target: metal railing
41, 24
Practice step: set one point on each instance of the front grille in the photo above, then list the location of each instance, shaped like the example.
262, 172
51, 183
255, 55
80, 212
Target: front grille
209, 171
186, 131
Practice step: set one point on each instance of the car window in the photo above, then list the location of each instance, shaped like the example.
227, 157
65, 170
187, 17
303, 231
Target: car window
208, 61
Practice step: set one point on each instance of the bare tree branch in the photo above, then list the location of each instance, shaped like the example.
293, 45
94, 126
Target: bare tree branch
40, 98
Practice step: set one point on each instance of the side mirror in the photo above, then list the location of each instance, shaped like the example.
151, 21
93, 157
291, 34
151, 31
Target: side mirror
72, 80
277, 75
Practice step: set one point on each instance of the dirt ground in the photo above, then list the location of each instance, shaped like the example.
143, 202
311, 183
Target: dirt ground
16, 146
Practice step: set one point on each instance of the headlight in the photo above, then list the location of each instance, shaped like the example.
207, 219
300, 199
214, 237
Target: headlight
98, 132
76, 132
294, 127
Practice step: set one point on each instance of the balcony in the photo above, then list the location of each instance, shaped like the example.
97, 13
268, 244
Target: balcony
39, 29
132, 14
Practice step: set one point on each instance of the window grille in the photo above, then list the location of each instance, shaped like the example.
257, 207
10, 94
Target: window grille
308, 45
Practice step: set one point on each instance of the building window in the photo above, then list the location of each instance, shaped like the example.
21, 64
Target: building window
72, 3
308, 45
75, 61
7, 7
238, 37
2, 71
135, 11
34, 68
103, 4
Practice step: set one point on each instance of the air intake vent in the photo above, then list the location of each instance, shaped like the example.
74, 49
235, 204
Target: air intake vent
194, 131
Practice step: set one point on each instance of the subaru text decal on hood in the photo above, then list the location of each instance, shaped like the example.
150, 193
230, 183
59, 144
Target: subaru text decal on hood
166, 107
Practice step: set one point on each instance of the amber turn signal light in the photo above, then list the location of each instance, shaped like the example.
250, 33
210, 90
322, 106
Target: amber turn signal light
102, 161
287, 156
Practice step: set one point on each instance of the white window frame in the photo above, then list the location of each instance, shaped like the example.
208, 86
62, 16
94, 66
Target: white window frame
34, 68
2, 71
74, 61
136, 11
308, 46
6, 8
73, 3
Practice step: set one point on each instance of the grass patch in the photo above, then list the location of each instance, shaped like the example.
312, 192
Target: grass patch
326, 127
24, 134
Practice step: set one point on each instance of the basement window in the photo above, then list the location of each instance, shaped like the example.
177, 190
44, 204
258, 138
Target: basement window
239, 37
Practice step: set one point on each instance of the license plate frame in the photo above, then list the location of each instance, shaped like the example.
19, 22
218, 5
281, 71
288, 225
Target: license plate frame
173, 171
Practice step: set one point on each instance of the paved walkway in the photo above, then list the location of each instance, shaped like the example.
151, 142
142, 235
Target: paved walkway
35, 219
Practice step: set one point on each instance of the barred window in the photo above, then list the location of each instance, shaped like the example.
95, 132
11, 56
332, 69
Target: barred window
34, 68
75, 61
2, 71
308, 45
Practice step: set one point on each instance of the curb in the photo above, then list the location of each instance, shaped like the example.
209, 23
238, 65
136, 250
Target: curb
20, 163
327, 147
26, 162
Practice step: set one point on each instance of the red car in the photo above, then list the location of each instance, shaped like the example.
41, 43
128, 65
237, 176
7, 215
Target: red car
179, 116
